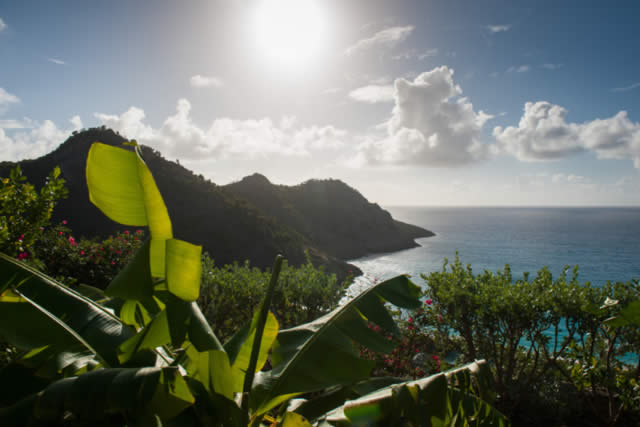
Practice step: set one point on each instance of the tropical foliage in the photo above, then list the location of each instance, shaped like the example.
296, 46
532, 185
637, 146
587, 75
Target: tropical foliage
142, 353
560, 352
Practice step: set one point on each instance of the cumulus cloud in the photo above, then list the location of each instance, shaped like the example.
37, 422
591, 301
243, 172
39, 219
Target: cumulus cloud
544, 134
430, 125
6, 99
373, 94
180, 137
3, 26
56, 61
40, 140
499, 28
205, 81
388, 37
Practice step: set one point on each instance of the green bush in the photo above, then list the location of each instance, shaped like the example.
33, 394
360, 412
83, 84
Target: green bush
90, 262
548, 342
230, 294
25, 212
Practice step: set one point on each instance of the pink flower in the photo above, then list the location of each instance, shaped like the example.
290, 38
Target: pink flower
118, 251
429, 301
21, 237
82, 253
72, 241
60, 233
64, 221
439, 318
138, 231
23, 255
410, 319
434, 357
113, 263
126, 232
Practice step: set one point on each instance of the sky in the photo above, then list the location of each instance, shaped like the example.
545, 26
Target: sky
410, 102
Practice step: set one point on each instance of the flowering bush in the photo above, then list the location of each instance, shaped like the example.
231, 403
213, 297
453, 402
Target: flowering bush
90, 262
25, 212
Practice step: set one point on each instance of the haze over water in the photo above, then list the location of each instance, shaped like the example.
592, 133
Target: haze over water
604, 242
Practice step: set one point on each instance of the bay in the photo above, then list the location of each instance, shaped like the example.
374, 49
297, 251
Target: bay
603, 241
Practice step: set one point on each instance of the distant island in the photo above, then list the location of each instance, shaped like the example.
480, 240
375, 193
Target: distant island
252, 219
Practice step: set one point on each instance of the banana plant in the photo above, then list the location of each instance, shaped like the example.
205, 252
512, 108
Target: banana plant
145, 355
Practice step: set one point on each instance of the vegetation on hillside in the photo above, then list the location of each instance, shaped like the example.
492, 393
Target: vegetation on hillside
143, 354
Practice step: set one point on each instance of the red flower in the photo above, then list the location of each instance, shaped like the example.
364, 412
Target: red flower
138, 231
126, 232
410, 319
429, 301
64, 221
113, 263
23, 255
439, 317
82, 253
72, 241
60, 233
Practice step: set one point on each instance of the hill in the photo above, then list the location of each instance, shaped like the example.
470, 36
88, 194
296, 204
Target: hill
234, 222
334, 216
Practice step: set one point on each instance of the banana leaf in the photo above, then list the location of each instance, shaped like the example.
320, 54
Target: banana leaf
321, 353
136, 393
37, 312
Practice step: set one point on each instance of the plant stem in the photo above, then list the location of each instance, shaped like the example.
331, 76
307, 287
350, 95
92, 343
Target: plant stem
255, 349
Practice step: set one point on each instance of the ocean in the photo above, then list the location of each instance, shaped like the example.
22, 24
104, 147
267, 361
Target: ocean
603, 242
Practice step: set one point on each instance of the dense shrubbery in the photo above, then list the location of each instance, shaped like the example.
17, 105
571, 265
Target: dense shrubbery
556, 356
230, 294
25, 212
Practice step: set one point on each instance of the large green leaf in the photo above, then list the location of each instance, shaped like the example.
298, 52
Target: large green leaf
137, 393
239, 348
122, 187
36, 311
436, 400
321, 353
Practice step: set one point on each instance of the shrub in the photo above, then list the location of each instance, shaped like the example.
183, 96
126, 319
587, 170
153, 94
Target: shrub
86, 261
230, 294
25, 212
546, 340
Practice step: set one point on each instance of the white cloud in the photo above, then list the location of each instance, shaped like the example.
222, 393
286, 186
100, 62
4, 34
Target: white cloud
205, 81
373, 94
42, 139
3, 26
15, 124
56, 61
429, 125
626, 88
388, 37
552, 67
499, 28
6, 99
180, 137
544, 134
416, 54
76, 121
519, 69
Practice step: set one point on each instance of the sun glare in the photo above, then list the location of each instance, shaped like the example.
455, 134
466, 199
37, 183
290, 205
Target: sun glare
290, 32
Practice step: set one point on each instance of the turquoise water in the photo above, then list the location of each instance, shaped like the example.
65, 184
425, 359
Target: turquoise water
604, 242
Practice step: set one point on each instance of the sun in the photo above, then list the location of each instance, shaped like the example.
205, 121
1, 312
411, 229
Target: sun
290, 33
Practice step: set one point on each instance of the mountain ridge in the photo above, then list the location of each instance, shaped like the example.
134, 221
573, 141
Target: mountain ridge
254, 220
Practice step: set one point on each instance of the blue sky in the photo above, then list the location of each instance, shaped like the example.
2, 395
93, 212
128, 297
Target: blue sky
410, 102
